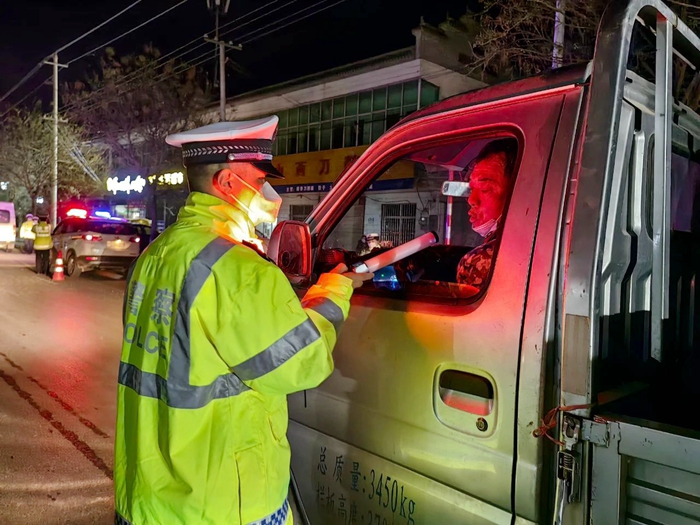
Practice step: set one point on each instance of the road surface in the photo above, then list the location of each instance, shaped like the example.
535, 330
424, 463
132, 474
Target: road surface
59, 355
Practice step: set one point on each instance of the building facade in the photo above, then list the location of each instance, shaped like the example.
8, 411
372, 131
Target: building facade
329, 119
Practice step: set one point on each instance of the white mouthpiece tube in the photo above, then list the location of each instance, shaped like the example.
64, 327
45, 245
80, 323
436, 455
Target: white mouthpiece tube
396, 254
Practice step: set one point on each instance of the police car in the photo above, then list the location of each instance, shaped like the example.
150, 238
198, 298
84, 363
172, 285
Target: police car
95, 243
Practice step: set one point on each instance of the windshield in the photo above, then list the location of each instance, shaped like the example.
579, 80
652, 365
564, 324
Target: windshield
110, 228
4, 217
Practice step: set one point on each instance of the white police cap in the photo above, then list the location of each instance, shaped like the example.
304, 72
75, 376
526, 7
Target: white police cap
243, 141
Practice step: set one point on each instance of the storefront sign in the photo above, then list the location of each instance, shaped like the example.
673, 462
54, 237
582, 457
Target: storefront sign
170, 179
380, 185
315, 172
126, 185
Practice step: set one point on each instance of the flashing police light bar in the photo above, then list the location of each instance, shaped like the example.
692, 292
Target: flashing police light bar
76, 212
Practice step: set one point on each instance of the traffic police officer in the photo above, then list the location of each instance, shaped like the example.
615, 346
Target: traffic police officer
214, 340
42, 245
26, 233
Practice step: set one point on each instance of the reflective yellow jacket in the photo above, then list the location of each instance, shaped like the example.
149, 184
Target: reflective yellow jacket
42, 231
214, 340
25, 231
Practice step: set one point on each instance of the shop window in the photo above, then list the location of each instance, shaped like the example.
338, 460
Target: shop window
398, 223
314, 112
299, 212
302, 141
379, 99
366, 102
303, 115
283, 119
393, 116
410, 93
407, 110
337, 134
429, 93
408, 198
293, 117
313, 138
350, 132
378, 125
326, 110
292, 143
281, 145
351, 105
394, 98
364, 130
339, 108
326, 135
356, 119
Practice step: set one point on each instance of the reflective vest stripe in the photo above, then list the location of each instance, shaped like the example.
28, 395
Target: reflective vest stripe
292, 342
148, 384
326, 309
278, 352
176, 391
197, 274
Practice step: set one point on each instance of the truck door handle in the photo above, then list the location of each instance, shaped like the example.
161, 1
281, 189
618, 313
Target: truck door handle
466, 391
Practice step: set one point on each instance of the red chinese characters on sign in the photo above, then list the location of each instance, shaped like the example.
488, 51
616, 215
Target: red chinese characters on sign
301, 169
325, 167
349, 159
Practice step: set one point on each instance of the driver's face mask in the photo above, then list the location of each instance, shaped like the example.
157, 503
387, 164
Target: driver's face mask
265, 204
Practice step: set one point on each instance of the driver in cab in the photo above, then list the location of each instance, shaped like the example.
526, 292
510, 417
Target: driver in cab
490, 184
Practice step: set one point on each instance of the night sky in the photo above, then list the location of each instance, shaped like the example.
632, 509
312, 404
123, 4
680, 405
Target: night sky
350, 31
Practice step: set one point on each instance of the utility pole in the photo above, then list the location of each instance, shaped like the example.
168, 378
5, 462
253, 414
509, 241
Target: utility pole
559, 30
54, 175
219, 9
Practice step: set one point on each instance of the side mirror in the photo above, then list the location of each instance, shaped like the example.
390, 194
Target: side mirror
290, 249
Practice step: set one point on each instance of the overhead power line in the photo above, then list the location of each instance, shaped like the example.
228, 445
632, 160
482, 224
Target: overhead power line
36, 68
25, 97
26, 77
136, 74
206, 56
99, 26
129, 31
293, 21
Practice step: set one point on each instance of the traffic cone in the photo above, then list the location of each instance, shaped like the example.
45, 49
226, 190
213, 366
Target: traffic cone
58, 267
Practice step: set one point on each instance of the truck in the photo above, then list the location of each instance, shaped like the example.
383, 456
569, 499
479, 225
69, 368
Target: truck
564, 388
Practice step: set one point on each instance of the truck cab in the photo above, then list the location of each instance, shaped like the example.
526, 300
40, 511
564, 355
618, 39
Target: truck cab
558, 385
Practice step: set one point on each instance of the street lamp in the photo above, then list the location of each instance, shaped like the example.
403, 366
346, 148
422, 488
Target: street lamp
40, 200
4, 186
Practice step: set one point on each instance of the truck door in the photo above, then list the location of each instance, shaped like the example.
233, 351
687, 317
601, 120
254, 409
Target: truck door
417, 424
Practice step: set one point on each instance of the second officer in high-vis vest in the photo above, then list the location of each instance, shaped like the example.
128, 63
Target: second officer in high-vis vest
42, 245
214, 340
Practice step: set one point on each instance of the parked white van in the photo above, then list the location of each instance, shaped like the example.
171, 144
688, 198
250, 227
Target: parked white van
8, 226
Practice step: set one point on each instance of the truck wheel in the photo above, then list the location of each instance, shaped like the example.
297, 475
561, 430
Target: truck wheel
71, 267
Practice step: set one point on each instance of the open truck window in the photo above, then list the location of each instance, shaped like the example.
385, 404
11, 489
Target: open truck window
460, 191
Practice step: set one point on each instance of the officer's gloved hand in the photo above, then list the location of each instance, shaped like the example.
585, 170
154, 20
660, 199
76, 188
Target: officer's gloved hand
357, 278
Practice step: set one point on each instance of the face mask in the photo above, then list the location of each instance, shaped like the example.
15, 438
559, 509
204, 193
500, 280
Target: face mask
487, 228
264, 206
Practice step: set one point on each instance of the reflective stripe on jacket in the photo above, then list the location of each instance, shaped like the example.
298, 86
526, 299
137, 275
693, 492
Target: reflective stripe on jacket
43, 236
214, 339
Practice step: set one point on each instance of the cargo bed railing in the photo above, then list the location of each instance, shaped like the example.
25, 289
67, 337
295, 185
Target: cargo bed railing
582, 304
593, 186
